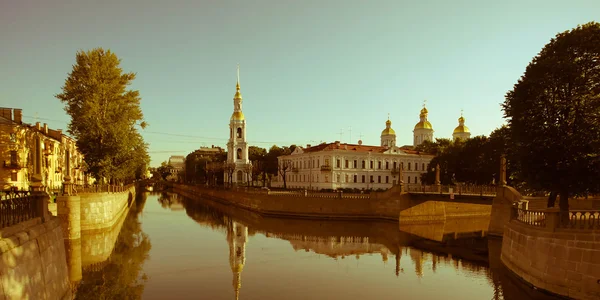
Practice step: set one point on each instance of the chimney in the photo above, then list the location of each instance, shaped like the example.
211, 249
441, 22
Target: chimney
18, 118
359, 142
337, 143
45, 128
38, 126
307, 145
7, 113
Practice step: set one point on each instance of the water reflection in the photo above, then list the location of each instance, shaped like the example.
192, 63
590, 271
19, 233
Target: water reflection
205, 249
118, 275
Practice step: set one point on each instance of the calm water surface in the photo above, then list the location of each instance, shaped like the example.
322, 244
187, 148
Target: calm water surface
170, 247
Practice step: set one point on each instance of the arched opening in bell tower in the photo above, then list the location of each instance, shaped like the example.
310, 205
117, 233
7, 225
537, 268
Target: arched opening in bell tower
239, 153
239, 133
240, 176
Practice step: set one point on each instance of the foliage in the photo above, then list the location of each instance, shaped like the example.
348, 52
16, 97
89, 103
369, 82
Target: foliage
105, 116
553, 113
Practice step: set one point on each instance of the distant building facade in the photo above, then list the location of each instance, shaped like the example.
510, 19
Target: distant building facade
25, 148
340, 165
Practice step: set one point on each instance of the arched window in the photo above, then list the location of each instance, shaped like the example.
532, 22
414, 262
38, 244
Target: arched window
409, 166
408, 179
239, 153
239, 133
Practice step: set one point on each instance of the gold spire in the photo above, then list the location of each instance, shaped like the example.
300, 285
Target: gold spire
238, 94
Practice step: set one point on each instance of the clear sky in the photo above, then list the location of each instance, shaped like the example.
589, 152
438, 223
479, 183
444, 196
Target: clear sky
308, 68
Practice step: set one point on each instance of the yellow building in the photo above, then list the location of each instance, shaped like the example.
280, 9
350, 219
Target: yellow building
25, 147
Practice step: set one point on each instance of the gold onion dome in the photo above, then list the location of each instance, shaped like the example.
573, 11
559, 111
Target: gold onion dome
237, 116
238, 94
388, 129
423, 125
461, 127
424, 110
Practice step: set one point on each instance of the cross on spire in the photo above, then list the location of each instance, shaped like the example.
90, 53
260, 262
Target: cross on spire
360, 136
341, 133
388, 116
350, 131
424, 103
461, 112
238, 76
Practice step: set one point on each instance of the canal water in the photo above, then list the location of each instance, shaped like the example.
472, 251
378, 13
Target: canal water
170, 247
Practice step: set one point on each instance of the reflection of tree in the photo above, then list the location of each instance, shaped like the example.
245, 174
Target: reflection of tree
165, 200
121, 278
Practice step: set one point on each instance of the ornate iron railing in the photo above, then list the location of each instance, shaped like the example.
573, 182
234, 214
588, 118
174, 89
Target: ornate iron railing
18, 207
479, 190
99, 188
581, 220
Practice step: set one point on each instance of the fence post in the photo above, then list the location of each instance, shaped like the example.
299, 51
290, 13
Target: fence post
552, 218
513, 211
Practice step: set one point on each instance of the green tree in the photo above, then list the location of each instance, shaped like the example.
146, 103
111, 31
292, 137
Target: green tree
105, 116
258, 158
553, 113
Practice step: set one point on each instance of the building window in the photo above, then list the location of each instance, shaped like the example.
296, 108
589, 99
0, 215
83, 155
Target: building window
416, 179
339, 178
387, 165
346, 164
363, 164
371, 164
409, 166
379, 179
304, 178
408, 179
387, 179
346, 178
395, 165
363, 179
371, 179
416, 167
379, 165
338, 164
239, 133
13, 157
423, 167
355, 164
14, 176
402, 165
355, 178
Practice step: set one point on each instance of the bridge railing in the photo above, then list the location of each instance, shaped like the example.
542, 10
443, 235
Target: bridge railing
19, 207
551, 219
100, 188
459, 189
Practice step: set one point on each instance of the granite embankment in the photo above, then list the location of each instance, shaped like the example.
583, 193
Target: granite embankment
32, 261
386, 205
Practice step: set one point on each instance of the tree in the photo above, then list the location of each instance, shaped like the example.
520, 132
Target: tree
284, 166
553, 115
258, 158
105, 116
163, 171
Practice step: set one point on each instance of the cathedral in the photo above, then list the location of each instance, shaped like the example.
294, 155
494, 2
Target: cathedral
344, 165
238, 164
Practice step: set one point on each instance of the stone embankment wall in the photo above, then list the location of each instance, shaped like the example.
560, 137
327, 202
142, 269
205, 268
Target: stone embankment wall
103, 210
564, 262
32, 261
503, 202
387, 205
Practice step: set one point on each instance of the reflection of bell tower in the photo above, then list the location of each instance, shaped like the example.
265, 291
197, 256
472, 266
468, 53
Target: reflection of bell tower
237, 235
417, 258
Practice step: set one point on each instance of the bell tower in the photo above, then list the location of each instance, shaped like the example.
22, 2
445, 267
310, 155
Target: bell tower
237, 147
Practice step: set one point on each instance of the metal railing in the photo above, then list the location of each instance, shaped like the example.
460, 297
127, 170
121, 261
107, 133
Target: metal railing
100, 188
473, 190
552, 219
18, 207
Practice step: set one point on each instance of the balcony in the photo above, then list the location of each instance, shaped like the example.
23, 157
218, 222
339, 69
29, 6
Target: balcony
13, 165
325, 168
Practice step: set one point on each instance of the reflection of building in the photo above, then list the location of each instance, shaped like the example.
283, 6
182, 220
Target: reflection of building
237, 236
18, 144
237, 146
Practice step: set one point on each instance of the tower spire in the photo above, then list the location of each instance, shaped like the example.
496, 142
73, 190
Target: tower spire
237, 86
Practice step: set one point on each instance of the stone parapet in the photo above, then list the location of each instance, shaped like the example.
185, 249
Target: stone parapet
32, 261
562, 261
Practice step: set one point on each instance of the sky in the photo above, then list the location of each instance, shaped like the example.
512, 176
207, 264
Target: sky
310, 71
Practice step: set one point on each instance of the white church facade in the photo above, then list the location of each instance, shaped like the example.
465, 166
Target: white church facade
237, 145
341, 165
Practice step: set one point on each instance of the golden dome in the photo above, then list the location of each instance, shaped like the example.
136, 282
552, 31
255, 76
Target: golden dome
424, 110
423, 125
238, 116
461, 129
461, 119
388, 131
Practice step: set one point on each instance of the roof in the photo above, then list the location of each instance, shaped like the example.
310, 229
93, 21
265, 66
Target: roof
358, 148
6, 121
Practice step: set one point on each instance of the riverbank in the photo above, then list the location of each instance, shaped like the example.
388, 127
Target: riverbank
391, 205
